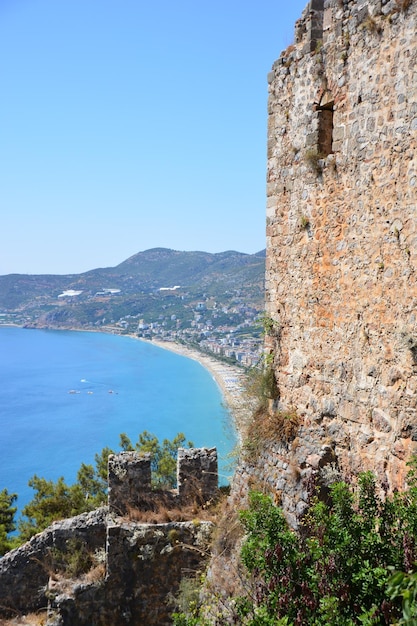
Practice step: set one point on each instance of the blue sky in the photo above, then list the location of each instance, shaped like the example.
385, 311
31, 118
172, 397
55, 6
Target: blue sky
127, 125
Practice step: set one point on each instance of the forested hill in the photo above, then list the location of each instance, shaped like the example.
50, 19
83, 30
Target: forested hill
145, 286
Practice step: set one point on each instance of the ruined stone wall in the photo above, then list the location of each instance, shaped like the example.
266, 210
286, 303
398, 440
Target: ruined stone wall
342, 235
130, 485
25, 571
129, 481
197, 474
144, 562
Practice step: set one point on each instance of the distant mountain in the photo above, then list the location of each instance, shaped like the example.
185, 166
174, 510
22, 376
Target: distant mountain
161, 267
138, 286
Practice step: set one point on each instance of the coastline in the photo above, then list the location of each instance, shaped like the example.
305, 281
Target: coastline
229, 378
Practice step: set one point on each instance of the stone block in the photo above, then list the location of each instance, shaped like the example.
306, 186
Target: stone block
197, 474
129, 480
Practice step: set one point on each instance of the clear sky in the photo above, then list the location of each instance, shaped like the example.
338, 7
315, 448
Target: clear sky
127, 125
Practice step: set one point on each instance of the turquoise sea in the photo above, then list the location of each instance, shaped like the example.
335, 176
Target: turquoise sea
64, 395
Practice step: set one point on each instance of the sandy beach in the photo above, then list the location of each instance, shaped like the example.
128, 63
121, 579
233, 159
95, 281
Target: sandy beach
229, 378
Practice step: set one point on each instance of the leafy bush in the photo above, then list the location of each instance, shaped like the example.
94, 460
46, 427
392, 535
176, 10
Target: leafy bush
75, 560
404, 586
337, 569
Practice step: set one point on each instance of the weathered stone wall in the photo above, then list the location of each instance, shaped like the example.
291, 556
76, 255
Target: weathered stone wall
197, 474
144, 563
148, 561
130, 488
25, 572
129, 480
342, 239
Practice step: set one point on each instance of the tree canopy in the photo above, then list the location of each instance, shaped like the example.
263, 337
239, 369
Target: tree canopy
7, 523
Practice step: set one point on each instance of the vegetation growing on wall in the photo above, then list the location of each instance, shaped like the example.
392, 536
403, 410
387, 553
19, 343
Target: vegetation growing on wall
76, 560
261, 384
403, 4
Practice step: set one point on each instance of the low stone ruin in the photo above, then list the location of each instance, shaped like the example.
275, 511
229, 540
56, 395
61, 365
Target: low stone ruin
130, 487
144, 563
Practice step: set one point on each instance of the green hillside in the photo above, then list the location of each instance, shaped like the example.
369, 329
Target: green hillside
187, 296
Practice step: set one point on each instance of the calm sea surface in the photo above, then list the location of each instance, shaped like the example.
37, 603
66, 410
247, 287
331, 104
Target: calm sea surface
66, 395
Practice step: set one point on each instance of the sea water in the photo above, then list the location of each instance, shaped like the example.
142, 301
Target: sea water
64, 395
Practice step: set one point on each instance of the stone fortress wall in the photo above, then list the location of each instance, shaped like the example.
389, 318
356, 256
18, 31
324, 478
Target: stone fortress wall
342, 230
130, 486
341, 250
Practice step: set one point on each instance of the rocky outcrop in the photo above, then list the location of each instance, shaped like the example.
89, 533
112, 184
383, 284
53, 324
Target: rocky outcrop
25, 572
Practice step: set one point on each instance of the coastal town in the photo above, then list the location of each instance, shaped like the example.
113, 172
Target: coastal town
227, 331
232, 334
212, 306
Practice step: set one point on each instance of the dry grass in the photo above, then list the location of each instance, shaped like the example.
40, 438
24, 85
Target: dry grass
261, 384
65, 581
95, 574
370, 24
163, 510
229, 532
289, 49
32, 619
278, 426
312, 158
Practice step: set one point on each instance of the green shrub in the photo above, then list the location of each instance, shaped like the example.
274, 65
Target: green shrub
337, 569
75, 560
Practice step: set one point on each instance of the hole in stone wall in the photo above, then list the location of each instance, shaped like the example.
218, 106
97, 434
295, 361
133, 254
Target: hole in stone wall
325, 141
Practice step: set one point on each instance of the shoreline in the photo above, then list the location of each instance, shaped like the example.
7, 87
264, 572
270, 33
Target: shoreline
229, 379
